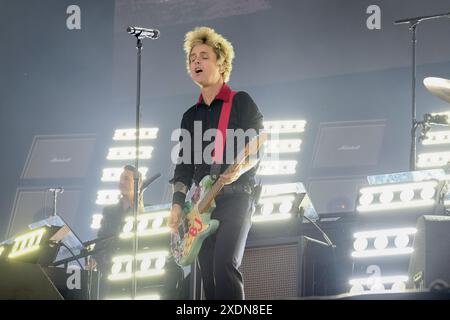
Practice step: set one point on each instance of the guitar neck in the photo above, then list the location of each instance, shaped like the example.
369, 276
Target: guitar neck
209, 197
251, 148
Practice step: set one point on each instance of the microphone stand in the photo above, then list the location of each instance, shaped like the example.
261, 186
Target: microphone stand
305, 241
413, 23
55, 196
136, 166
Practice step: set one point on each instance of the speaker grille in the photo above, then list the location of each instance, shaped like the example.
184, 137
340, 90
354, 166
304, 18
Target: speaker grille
271, 272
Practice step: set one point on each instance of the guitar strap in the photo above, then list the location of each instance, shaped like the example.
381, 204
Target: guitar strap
221, 138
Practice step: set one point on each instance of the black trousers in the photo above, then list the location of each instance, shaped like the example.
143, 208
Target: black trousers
221, 253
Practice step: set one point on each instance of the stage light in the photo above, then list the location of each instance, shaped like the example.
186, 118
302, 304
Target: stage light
378, 284
381, 242
284, 188
436, 137
96, 221
157, 222
360, 244
441, 116
149, 224
280, 167
357, 289
271, 217
147, 296
366, 199
289, 126
129, 153
113, 174
130, 134
128, 226
283, 201
433, 159
382, 253
282, 146
142, 225
372, 280
286, 206
377, 287
386, 196
107, 197
146, 264
401, 241
427, 193
27, 243
267, 208
398, 286
407, 195
399, 196
160, 262
384, 232
144, 259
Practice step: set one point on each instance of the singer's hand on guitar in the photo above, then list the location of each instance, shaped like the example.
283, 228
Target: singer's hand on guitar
230, 177
174, 219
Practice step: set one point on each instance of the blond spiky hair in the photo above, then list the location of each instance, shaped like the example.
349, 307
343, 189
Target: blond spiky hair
221, 46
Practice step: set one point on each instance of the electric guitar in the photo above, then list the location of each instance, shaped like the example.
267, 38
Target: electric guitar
197, 224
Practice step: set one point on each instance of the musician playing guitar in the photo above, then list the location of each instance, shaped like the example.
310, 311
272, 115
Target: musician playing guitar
209, 59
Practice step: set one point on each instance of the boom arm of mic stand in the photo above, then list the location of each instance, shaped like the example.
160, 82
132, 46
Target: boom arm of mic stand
327, 239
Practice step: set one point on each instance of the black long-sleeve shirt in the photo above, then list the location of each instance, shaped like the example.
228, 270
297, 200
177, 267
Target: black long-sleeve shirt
244, 115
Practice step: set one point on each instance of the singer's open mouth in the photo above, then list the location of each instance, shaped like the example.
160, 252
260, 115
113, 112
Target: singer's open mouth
198, 71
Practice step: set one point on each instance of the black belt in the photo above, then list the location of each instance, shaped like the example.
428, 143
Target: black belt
235, 188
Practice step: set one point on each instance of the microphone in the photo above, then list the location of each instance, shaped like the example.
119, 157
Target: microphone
149, 181
142, 33
419, 19
57, 190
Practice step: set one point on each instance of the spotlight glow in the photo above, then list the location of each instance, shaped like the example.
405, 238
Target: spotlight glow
288, 126
129, 153
130, 134
269, 168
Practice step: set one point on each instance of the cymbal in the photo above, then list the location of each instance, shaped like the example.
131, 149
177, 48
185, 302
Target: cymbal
439, 87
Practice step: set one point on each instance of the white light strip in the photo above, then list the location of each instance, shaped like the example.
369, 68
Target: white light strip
107, 197
433, 159
381, 253
130, 134
129, 153
27, 243
268, 168
437, 137
96, 221
146, 219
289, 126
1, 250
271, 217
370, 280
113, 174
145, 233
385, 232
395, 205
128, 260
444, 113
150, 296
282, 146
277, 199
399, 187
277, 189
